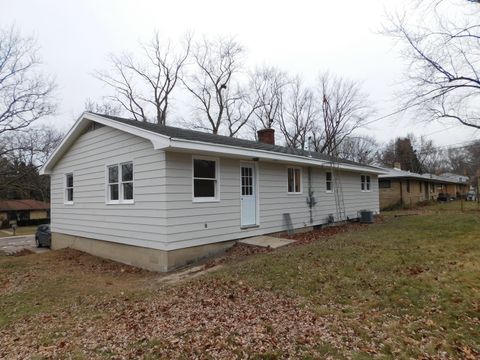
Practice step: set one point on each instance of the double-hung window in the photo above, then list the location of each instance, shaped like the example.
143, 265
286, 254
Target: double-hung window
294, 179
120, 183
365, 182
205, 179
329, 181
69, 188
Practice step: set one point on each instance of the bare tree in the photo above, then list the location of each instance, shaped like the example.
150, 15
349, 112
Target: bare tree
212, 83
19, 166
343, 109
25, 94
298, 113
145, 87
362, 149
441, 41
431, 157
105, 108
267, 85
239, 109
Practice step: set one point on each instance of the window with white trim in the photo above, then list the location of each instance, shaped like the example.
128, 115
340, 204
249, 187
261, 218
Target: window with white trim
294, 180
205, 179
329, 181
120, 183
69, 188
365, 182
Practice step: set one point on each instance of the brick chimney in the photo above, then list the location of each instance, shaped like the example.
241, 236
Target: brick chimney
266, 136
397, 166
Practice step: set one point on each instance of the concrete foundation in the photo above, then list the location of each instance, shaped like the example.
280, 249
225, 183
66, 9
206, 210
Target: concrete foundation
150, 259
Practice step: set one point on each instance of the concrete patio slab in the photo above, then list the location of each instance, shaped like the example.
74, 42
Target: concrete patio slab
266, 241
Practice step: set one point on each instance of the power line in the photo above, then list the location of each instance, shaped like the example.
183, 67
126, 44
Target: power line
394, 113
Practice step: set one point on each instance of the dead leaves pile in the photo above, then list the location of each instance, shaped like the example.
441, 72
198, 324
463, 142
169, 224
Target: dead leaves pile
325, 232
207, 319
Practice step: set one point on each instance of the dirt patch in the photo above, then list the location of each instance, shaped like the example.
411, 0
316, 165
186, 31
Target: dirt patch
324, 232
95, 264
236, 253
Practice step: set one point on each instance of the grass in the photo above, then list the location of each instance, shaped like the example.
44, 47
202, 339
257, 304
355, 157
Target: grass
23, 230
406, 287
412, 279
44, 283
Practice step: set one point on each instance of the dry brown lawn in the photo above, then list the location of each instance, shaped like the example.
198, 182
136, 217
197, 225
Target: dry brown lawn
406, 287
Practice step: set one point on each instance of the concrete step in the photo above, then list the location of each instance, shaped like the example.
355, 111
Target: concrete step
266, 241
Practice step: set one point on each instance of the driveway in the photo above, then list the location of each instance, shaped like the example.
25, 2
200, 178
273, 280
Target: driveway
13, 244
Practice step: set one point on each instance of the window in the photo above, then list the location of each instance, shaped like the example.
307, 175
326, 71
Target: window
384, 184
247, 181
408, 185
365, 182
294, 180
120, 183
420, 186
69, 189
328, 181
205, 182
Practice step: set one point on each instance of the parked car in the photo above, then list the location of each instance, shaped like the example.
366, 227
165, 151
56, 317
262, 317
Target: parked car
43, 236
471, 196
444, 197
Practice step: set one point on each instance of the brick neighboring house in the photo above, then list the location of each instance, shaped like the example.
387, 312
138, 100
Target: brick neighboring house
397, 186
23, 212
461, 185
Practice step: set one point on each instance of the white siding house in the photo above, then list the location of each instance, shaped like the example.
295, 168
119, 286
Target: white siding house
159, 197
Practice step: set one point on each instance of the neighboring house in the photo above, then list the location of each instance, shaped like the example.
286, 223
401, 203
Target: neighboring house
159, 197
23, 212
459, 186
399, 187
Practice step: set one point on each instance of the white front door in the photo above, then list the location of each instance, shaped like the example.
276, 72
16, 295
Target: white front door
248, 197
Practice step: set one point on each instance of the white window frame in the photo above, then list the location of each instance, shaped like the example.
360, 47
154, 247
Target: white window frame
215, 198
120, 183
327, 181
65, 193
366, 183
301, 180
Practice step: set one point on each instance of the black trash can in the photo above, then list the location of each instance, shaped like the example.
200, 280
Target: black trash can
366, 217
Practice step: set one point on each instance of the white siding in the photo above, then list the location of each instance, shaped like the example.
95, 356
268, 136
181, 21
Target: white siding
142, 223
163, 215
190, 223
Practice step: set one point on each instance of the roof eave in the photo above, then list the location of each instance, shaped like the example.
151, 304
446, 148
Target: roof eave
221, 149
163, 142
158, 141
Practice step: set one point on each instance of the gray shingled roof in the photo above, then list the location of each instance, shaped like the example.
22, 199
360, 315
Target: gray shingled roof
390, 173
186, 134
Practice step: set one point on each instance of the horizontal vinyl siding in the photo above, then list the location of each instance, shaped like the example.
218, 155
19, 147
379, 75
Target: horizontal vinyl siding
142, 223
186, 219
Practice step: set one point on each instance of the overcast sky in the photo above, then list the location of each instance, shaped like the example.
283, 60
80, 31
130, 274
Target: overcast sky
301, 37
